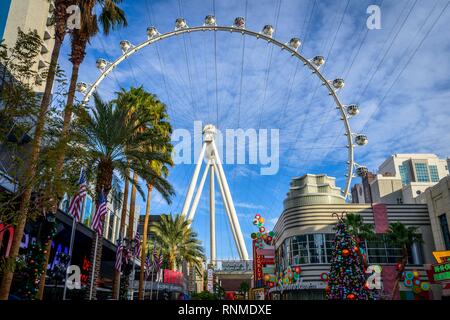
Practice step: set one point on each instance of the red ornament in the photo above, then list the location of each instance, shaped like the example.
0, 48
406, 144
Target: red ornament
328, 289
351, 296
345, 252
356, 249
297, 270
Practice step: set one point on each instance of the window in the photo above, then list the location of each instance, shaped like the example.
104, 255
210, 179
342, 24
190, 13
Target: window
404, 174
381, 251
317, 252
318, 248
422, 172
434, 173
445, 232
87, 211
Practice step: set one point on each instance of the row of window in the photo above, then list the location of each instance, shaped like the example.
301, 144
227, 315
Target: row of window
318, 248
424, 173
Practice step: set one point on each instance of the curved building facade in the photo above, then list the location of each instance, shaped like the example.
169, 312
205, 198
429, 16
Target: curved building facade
304, 234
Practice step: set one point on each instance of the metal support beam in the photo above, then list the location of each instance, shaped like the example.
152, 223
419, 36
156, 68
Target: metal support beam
187, 202
198, 194
230, 203
212, 210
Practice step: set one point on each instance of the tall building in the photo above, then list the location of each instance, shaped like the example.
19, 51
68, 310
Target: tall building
401, 178
28, 15
153, 219
304, 236
437, 199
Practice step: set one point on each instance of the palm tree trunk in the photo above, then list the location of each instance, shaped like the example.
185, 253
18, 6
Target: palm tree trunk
144, 243
130, 233
59, 166
30, 172
123, 216
97, 255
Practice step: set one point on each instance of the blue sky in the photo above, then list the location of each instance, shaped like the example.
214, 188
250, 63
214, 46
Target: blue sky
398, 75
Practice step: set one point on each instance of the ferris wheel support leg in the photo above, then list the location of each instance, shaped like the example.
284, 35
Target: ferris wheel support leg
193, 183
227, 209
193, 209
231, 204
212, 207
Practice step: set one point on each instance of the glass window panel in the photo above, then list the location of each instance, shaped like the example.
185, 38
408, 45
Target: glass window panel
434, 173
422, 172
404, 174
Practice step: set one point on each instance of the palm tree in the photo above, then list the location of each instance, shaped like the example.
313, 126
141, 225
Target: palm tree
179, 243
403, 237
111, 16
359, 230
163, 130
60, 19
107, 138
137, 99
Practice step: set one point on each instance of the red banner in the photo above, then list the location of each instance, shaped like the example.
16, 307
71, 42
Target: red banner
380, 218
173, 277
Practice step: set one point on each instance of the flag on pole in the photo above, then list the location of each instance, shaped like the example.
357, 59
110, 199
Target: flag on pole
155, 256
119, 257
148, 267
160, 260
97, 221
76, 203
137, 248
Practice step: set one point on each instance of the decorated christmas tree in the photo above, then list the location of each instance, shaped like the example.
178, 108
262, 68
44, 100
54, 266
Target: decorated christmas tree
347, 278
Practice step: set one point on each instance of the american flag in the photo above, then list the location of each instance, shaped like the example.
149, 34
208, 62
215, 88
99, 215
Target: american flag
137, 248
119, 257
97, 221
76, 203
159, 262
148, 267
155, 255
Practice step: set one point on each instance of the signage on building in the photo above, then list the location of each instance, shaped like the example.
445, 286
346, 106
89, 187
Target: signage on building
257, 266
236, 265
210, 286
441, 256
300, 285
440, 272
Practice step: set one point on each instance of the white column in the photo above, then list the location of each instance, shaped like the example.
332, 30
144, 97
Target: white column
231, 205
198, 194
227, 209
193, 183
212, 207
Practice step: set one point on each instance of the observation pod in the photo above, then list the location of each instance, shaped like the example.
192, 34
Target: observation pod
295, 43
338, 83
180, 23
81, 87
353, 110
210, 20
268, 30
361, 140
152, 32
318, 61
362, 171
125, 45
101, 64
239, 22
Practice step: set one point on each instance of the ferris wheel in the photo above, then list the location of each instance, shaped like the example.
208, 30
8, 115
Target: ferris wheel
313, 64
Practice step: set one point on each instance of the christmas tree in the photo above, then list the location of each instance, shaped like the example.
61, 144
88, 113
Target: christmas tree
347, 279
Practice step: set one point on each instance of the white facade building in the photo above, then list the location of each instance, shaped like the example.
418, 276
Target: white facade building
29, 15
403, 177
